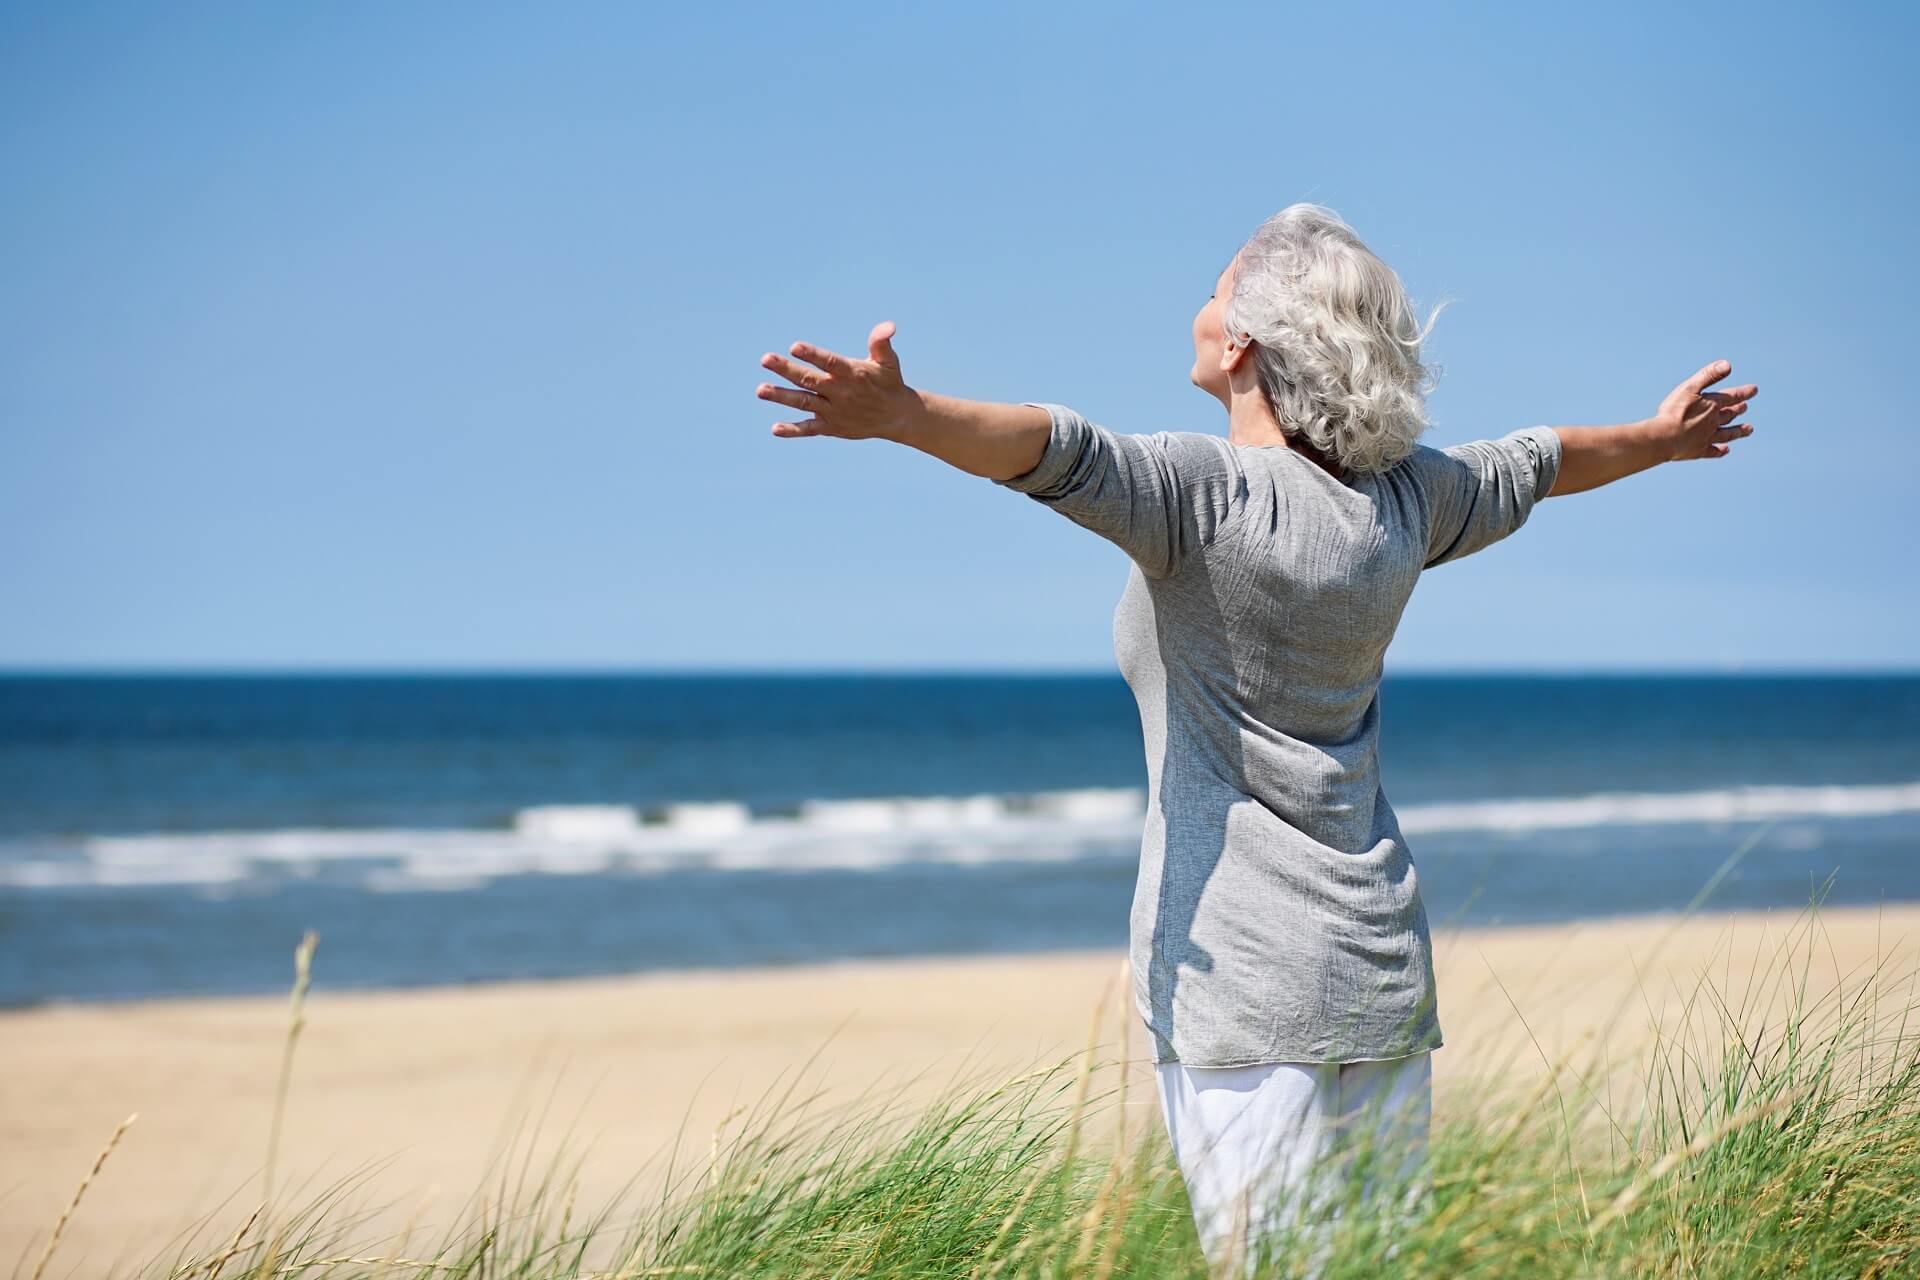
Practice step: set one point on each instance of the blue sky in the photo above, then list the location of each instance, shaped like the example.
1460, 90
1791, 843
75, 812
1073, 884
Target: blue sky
359, 336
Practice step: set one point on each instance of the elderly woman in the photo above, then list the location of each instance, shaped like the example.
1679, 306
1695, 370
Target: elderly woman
1282, 964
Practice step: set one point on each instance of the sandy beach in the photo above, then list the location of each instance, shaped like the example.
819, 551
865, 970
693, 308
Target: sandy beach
431, 1084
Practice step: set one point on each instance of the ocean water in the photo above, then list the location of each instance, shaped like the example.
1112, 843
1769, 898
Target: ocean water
176, 834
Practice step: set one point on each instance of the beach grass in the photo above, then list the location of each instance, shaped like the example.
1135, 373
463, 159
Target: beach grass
1762, 1134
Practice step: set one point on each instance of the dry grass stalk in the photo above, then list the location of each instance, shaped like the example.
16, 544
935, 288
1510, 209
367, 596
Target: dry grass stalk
218, 1263
53, 1241
302, 974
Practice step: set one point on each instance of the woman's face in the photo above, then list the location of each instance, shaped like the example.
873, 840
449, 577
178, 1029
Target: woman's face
1210, 341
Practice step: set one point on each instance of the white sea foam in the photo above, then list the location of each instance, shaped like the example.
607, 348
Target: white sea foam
868, 834
1628, 808
576, 823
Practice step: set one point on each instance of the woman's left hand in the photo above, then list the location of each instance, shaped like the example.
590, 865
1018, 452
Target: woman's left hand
1692, 422
849, 399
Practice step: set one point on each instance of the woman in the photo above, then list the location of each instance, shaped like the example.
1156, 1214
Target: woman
1281, 957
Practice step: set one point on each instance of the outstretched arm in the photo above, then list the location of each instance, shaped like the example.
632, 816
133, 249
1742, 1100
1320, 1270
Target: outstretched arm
1690, 423
869, 400
1161, 498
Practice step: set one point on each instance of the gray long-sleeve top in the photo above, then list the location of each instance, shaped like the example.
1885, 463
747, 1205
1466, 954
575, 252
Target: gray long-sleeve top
1277, 913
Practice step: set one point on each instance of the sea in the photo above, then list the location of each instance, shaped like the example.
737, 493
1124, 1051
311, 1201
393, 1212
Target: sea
168, 834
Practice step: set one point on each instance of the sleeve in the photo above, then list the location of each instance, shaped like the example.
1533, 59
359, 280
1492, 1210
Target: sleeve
1160, 498
1481, 491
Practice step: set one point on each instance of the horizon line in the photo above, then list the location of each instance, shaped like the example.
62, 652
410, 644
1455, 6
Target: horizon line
1724, 670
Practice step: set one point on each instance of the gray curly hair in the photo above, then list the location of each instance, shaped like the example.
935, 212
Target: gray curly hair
1334, 342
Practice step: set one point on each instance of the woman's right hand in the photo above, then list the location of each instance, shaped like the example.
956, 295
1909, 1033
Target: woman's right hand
1692, 421
849, 399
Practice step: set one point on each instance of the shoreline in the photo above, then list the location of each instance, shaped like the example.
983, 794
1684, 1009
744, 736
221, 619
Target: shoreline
432, 1080
320, 986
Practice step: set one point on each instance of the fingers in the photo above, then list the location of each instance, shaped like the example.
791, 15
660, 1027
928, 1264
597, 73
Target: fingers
880, 345
830, 361
809, 396
793, 372
783, 395
1720, 445
1707, 376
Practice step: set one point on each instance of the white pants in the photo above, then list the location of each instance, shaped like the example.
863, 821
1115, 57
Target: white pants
1266, 1144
